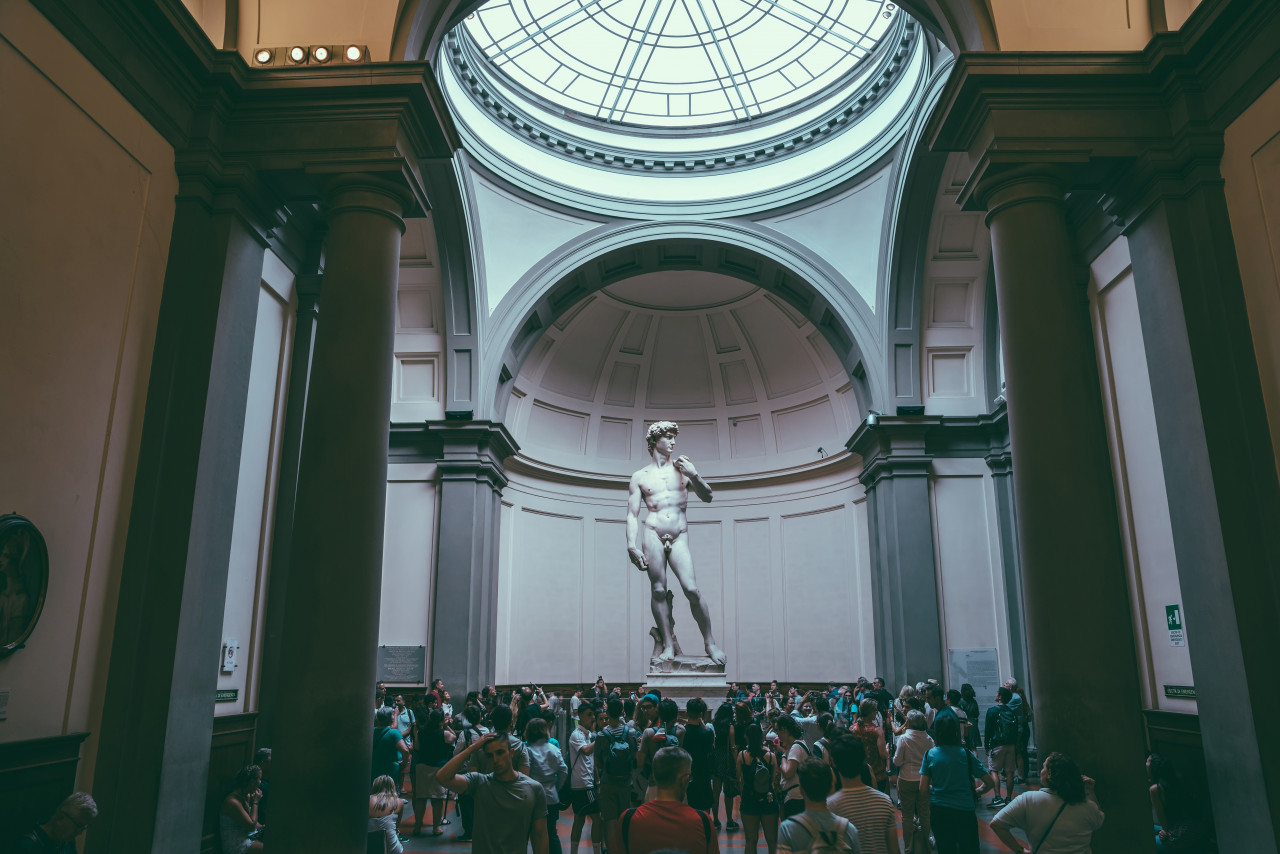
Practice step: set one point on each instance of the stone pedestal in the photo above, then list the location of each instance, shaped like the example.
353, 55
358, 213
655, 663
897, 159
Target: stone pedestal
686, 677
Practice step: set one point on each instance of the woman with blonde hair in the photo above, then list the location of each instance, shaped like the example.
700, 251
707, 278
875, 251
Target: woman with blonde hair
384, 812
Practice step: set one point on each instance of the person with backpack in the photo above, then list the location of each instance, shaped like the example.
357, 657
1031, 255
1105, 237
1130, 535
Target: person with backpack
617, 748
666, 823
724, 780
700, 743
757, 768
432, 752
1000, 738
666, 733
547, 768
1059, 818
816, 829
871, 734
794, 751
946, 778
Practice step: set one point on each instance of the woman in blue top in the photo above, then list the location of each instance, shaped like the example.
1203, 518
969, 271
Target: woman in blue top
946, 779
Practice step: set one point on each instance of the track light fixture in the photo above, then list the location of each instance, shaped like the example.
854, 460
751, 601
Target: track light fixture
297, 54
320, 53
354, 53
263, 56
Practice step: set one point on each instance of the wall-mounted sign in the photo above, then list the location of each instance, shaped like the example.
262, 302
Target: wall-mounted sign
402, 664
227, 695
978, 667
1173, 616
1182, 692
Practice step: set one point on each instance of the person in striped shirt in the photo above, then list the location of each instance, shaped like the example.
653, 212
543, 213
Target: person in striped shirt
868, 809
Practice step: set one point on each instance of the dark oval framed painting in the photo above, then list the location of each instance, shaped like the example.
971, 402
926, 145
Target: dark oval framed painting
24, 580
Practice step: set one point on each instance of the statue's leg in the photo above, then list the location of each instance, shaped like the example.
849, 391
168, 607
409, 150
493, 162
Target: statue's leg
675, 641
681, 561
655, 557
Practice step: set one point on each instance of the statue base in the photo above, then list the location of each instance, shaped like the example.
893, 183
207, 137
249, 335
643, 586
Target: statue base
688, 676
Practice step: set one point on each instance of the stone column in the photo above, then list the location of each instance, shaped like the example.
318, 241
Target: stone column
157, 718
1224, 503
904, 579
464, 622
1080, 634
270, 704
1000, 461
321, 764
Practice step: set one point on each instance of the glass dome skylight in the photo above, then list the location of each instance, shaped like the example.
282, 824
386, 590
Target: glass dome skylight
677, 63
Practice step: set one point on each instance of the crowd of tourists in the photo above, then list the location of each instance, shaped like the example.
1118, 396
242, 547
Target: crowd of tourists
843, 766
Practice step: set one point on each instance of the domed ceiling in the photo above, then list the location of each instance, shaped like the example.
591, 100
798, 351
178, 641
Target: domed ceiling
754, 386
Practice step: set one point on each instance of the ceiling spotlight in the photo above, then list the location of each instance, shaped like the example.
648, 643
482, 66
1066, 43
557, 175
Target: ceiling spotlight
297, 55
263, 56
354, 53
320, 54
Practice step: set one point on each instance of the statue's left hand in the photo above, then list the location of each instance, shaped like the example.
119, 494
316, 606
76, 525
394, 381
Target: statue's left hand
685, 466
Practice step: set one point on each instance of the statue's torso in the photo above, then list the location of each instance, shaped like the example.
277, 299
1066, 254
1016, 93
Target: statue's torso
665, 496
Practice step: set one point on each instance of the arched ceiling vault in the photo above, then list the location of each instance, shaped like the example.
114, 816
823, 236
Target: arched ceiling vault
514, 337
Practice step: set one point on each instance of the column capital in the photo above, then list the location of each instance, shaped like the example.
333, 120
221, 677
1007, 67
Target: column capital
381, 193
461, 450
1001, 189
906, 446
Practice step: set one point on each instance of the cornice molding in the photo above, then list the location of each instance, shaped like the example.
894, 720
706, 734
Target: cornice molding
258, 139
1127, 126
900, 446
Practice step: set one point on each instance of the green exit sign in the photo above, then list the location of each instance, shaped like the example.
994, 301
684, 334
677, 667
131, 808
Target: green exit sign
229, 695
1182, 692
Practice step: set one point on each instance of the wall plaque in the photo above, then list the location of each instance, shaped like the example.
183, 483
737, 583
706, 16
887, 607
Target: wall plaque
226, 695
981, 669
1182, 692
402, 664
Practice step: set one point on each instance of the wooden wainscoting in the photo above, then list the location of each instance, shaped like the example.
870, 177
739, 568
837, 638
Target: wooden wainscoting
35, 776
232, 749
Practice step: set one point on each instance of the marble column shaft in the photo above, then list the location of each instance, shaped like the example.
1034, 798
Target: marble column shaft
464, 622
1080, 633
1224, 503
321, 761
904, 584
157, 718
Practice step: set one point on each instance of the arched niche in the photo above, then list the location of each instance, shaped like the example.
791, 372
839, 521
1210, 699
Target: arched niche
552, 289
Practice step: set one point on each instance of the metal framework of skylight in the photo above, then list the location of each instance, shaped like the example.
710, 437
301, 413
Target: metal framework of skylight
677, 63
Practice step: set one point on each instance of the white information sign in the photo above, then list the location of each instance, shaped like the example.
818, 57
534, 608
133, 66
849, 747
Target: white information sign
981, 669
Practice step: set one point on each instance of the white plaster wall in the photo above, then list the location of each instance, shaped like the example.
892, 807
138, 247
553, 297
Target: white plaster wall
1141, 497
953, 305
418, 369
784, 568
409, 556
970, 572
251, 532
82, 257
1251, 171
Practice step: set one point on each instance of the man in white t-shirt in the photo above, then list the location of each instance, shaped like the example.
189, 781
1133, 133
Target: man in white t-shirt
1059, 818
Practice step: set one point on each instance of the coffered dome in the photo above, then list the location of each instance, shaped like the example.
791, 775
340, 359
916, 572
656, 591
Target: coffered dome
754, 386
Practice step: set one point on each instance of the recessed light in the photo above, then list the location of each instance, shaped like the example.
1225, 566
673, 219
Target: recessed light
354, 53
320, 54
263, 56
297, 54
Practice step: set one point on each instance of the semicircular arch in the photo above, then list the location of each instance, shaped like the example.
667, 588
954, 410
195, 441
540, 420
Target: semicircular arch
598, 259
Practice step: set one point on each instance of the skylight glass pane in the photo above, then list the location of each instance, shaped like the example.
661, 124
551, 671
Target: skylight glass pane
677, 63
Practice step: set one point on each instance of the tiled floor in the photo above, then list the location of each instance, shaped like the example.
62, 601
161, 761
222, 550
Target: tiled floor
730, 843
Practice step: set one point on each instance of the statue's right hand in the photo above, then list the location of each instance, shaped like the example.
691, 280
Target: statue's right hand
637, 558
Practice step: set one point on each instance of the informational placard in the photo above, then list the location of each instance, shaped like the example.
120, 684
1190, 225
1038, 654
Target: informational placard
402, 664
226, 695
981, 669
1173, 616
1182, 692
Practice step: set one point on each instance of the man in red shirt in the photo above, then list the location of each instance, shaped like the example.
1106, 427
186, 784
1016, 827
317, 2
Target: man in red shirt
666, 822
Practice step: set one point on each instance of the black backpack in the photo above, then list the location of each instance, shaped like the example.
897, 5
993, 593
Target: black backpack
620, 760
1004, 727
761, 777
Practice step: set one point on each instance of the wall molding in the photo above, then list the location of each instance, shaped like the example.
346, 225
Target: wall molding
35, 775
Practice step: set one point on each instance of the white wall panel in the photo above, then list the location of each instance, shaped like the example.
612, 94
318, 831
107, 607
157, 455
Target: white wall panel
409, 556
547, 579
821, 598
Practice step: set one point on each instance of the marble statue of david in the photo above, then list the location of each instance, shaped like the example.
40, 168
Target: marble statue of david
661, 540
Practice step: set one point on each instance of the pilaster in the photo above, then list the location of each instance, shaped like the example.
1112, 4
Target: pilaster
904, 586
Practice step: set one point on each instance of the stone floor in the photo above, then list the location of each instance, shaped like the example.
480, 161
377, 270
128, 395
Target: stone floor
730, 843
